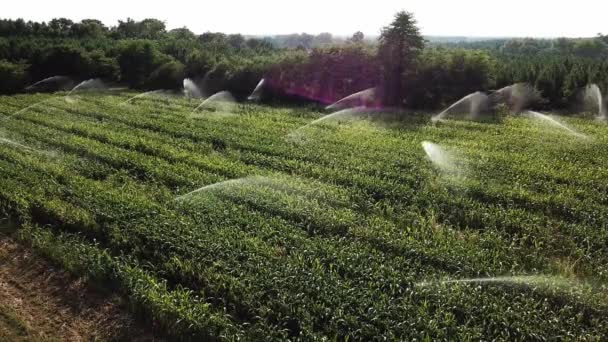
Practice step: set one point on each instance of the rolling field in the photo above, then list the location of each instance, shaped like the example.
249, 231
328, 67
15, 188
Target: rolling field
334, 231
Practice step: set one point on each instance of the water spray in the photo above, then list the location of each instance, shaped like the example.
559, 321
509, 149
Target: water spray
256, 94
593, 96
90, 84
364, 98
191, 90
153, 92
553, 122
473, 104
219, 102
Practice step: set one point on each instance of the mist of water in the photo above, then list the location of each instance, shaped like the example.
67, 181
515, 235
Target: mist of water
61, 83
148, 93
269, 187
532, 280
473, 104
15, 144
91, 84
517, 96
593, 96
441, 158
222, 102
256, 94
191, 90
94, 83
364, 98
254, 180
553, 122
343, 115
23, 110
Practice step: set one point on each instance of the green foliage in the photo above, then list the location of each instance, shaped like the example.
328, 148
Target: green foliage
590, 48
89, 28
400, 44
145, 29
565, 47
346, 235
199, 62
168, 76
61, 60
444, 76
138, 59
559, 79
301, 67
103, 67
13, 76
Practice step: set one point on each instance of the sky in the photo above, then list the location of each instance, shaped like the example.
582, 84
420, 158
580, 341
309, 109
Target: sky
475, 18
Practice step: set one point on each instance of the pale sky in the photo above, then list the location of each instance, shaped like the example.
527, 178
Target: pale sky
513, 18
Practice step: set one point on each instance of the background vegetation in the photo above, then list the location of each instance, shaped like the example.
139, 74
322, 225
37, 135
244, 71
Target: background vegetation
144, 55
330, 231
349, 235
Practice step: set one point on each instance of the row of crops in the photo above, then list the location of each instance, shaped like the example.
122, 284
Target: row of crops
347, 232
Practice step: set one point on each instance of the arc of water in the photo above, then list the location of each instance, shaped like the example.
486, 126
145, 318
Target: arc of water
554, 122
191, 89
349, 113
14, 143
198, 107
276, 183
217, 99
148, 93
23, 110
256, 94
476, 101
343, 114
93, 83
526, 280
594, 93
518, 96
88, 84
365, 96
46, 80
346, 113
231, 182
207, 188
444, 160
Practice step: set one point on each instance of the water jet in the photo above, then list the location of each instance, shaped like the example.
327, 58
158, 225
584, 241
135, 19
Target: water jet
256, 94
364, 98
191, 90
220, 102
91, 84
441, 158
473, 104
148, 93
553, 122
516, 97
594, 100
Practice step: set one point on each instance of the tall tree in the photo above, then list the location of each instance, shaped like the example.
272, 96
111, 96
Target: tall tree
400, 44
357, 38
91, 28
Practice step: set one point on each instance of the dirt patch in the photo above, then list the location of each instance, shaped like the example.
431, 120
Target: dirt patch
39, 302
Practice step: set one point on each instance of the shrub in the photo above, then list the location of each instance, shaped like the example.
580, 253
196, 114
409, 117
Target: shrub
13, 77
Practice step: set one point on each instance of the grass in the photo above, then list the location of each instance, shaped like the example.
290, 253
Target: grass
330, 235
12, 328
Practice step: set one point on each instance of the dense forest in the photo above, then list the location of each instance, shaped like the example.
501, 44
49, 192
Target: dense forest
412, 71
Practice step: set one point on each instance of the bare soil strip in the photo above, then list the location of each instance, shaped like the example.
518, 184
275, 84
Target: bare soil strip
40, 303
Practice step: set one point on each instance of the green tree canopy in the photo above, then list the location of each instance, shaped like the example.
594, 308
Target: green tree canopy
400, 45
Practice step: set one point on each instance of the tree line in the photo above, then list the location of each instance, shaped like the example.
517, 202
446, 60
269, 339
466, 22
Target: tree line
593, 47
408, 70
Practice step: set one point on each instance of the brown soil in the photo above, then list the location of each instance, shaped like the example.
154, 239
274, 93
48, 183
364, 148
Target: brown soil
40, 303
